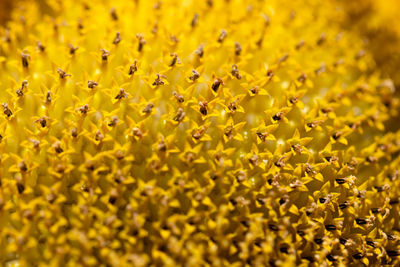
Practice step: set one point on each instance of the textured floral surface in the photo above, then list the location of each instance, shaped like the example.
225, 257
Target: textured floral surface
215, 133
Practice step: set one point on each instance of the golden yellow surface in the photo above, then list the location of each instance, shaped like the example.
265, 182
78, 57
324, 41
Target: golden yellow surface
196, 133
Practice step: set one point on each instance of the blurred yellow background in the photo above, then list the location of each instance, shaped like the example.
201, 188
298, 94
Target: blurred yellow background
377, 22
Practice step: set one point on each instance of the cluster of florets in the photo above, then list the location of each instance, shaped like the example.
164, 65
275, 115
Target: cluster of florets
217, 133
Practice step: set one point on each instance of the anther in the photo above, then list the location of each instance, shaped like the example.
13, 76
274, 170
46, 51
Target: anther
72, 49
7, 111
255, 89
141, 40
318, 241
337, 135
117, 38
297, 148
321, 39
121, 94
302, 78
22, 166
203, 107
90, 165
195, 75
300, 44
179, 115
200, 51
254, 159
371, 159
216, 84
293, 100
174, 39
322, 200
60, 168
280, 163
113, 13
375, 210
114, 121
120, 155
80, 24
62, 73
238, 49
174, 60
40, 46
278, 116
158, 81
20, 187
195, 20
267, 20
233, 105
24, 84
260, 41
162, 147
330, 227
309, 169
74, 132
240, 176
235, 72
113, 197
105, 54
262, 136
98, 136
313, 124
20, 91
137, 132
340, 180
178, 97
229, 133
222, 36
361, 221
25, 59
270, 74
133, 68
199, 133
84, 109
273, 227
57, 147
284, 58
92, 84
42, 121
148, 109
